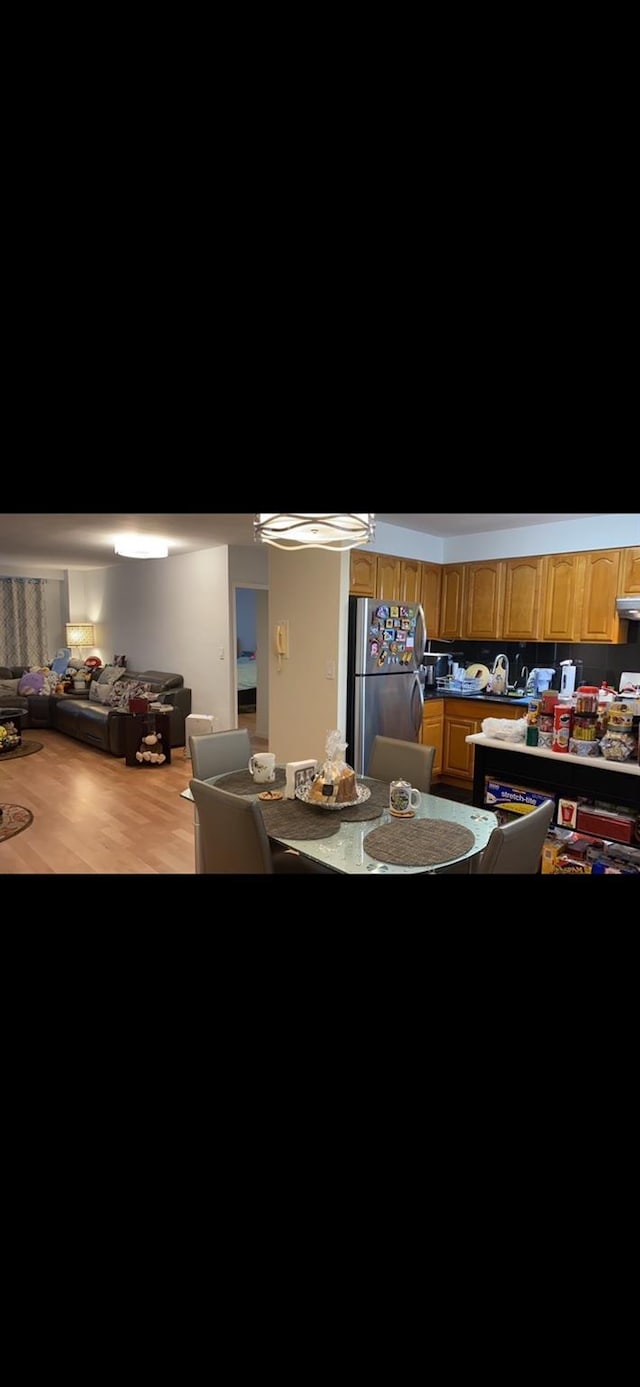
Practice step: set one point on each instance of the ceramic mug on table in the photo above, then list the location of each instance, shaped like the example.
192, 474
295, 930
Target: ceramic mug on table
402, 797
263, 766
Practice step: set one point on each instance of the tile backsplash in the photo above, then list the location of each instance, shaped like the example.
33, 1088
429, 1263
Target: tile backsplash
600, 662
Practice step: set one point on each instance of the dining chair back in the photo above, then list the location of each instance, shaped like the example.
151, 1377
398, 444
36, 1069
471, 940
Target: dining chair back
515, 849
234, 840
392, 759
215, 753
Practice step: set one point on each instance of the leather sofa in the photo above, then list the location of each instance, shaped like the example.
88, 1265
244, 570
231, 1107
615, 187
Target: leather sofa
96, 723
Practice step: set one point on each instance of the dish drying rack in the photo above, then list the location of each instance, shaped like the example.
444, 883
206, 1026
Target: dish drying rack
465, 686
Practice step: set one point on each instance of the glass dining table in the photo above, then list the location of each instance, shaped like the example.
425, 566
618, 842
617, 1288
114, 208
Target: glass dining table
442, 835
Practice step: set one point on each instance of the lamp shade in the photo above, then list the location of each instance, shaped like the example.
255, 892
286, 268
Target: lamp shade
314, 530
80, 633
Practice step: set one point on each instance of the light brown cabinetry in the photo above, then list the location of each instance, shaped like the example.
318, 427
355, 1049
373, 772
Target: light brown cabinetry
483, 597
433, 731
630, 573
388, 577
452, 600
563, 582
599, 619
522, 612
431, 585
462, 718
363, 573
580, 597
410, 576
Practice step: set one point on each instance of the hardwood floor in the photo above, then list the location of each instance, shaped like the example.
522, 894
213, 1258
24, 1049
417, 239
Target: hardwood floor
92, 814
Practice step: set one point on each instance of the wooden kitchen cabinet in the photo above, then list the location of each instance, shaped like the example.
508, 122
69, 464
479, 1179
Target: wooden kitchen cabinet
563, 589
363, 573
410, 576
629, 573
432, 732
451, 601
483, 600
522, 610
599, 619
430, 590
388, 577
461, 719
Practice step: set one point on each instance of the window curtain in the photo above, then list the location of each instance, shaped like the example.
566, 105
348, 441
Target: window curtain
23, 621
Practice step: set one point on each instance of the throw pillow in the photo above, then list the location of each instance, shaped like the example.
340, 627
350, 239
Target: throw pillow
124, 689
9, 686
31, 683
110, 674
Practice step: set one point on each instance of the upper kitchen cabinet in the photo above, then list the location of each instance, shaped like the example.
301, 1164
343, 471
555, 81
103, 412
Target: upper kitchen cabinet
564, 582
451, 601
630, 573
580, 597
599, 619
431, 587
484, 591
363, 576
389, 577
522, 615
410, 575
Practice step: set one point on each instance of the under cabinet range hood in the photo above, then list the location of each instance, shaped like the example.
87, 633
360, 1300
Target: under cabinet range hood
628, 607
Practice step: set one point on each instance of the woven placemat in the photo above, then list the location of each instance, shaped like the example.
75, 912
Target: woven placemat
418, 843
290, 818
243, 783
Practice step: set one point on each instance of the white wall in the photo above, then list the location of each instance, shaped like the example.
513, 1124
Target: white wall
170, 614
310, 590
560, 537
407, 544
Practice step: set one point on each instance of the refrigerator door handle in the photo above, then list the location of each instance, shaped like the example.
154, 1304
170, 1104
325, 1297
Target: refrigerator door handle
417, 704
421, 635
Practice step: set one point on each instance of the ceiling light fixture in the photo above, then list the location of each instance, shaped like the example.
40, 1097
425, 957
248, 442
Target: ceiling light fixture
141, 547
314, 531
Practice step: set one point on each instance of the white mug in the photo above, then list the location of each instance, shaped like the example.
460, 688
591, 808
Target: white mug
263, 766
402, 797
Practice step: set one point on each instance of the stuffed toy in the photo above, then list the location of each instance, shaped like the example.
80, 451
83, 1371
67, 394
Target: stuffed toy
151, 749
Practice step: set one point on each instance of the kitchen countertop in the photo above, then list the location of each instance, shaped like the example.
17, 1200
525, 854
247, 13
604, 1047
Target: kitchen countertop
430, 694
590, 763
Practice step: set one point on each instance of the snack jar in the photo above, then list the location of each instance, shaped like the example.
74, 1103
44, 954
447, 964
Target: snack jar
562, 718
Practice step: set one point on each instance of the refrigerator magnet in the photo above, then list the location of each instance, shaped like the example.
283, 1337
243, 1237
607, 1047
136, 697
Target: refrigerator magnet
382, 613
395, 611
374, 648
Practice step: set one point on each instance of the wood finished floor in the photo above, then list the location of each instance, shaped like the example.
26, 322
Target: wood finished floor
94, 815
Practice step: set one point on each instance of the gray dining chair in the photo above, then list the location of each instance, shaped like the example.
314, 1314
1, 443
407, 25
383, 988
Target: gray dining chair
515, 849
392, 759
215, 753
234, 840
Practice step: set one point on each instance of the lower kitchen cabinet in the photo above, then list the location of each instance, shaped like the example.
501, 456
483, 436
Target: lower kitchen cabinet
463, 718
433, 732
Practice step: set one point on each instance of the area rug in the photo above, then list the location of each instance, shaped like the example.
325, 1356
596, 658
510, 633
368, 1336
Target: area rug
24, 750
13, 818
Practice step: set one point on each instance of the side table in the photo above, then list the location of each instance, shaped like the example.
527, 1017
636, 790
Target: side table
15, 716
139, 725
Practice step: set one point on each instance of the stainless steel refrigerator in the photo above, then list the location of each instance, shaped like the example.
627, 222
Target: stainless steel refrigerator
384, 687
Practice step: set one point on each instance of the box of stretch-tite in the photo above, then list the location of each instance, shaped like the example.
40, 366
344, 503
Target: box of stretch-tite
518, 799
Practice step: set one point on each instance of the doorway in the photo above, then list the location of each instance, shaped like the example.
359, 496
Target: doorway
252, 672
